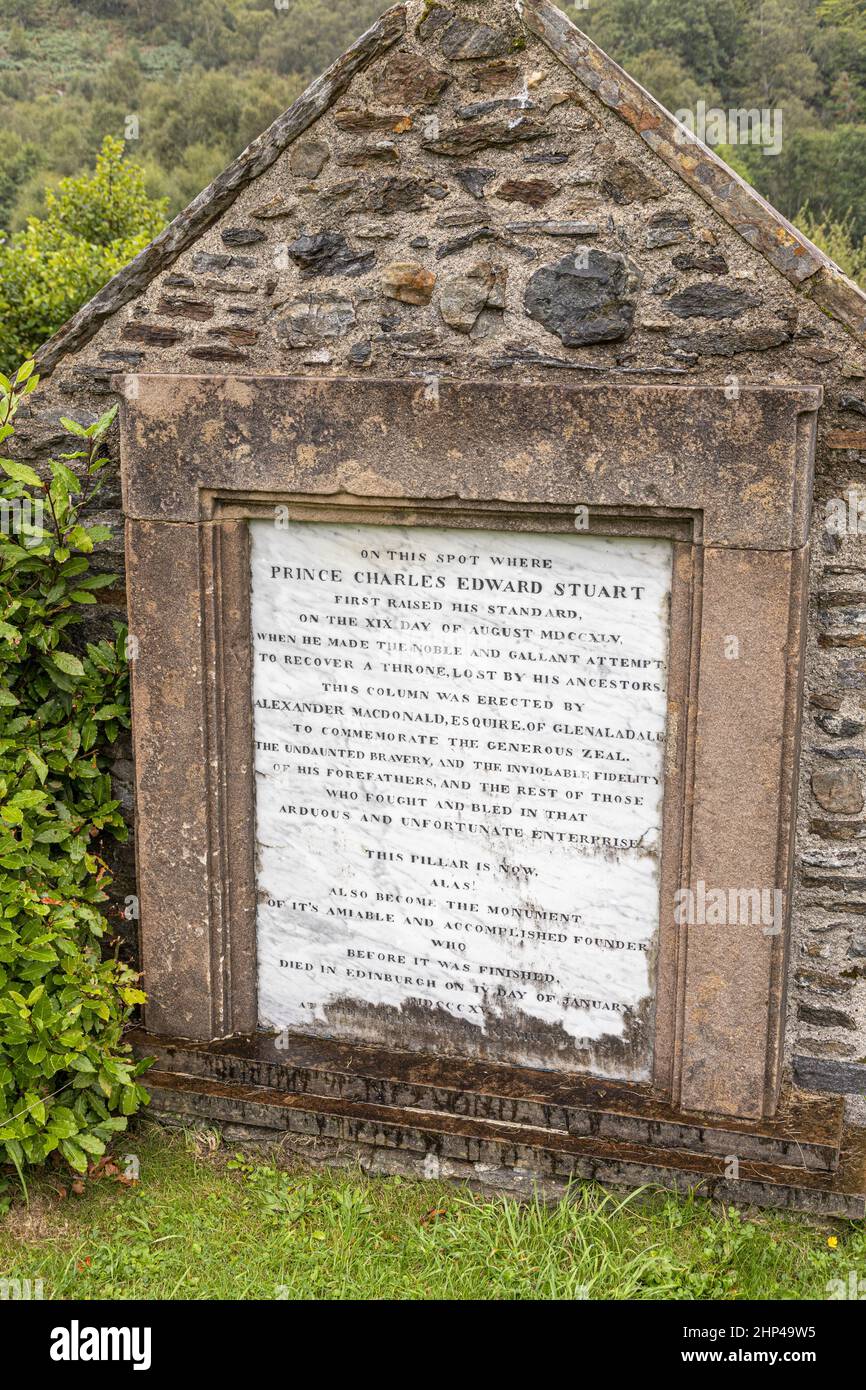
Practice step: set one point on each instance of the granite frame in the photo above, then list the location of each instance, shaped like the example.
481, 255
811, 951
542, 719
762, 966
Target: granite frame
725, 475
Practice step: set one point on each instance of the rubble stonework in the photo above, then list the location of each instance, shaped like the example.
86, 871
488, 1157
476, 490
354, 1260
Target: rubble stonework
455, 201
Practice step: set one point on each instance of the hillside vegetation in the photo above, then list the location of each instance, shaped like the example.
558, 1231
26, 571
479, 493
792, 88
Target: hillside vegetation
186, 84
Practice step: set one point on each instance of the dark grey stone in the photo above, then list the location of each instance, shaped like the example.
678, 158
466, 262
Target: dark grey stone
399, 193
722, 344
710, 300
129, 359
553, 228
710, 263
308, 158
852, 675
583, 299
623, 182
663, 285
484, 108
666, 229
218, 352
307, 322
497, 133
328, 253
825, 1018
154, 334
434, 20
475, 179
856, 404
464, 39
205, 260
824, 1074
460, 243
839, 726
241, 236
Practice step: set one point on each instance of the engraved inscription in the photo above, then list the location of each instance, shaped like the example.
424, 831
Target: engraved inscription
459, 754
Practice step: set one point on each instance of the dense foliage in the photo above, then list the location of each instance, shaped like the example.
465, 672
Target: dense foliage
90, 228
67, 1082
804, 58
188, 83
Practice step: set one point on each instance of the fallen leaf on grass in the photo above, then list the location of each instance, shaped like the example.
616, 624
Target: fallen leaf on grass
433, 1215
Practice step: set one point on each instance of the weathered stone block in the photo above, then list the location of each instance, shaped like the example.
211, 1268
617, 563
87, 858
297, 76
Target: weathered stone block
534, 192
475, 179
464, 39
666, 229
241, 236
408, 281
485, 135
464, 296
407, 80
625, 182
838, 790
329, 253
185, 307
710, 300
583, 300
308, 158
306, 322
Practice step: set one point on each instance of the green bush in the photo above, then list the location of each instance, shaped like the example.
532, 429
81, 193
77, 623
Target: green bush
67, 1081
92, 227
836, 238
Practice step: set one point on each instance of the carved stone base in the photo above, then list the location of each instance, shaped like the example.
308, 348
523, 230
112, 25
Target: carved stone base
504, 1129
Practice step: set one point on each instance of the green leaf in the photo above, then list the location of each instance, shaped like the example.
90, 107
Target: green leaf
63, 1005
38, 763
72, 427
68, 663
90, 1143
74, 1155
103, 423
20, 472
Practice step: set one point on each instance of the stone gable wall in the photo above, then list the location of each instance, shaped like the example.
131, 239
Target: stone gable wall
468, 209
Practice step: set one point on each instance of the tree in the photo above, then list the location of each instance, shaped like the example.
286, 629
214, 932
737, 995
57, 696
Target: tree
836, 238
666, 77
92, 226
703, 34
824, 168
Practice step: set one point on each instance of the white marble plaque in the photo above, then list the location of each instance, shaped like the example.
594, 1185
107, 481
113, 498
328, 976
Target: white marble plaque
459, 749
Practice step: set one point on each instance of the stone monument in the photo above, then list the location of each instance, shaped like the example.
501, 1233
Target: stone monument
471, 427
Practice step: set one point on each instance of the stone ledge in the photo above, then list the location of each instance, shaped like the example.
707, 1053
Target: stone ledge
805, 1134
505, 1157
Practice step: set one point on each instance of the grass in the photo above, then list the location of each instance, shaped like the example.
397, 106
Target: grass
204, 1224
